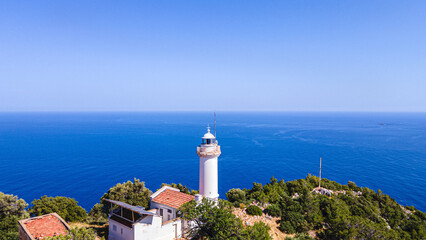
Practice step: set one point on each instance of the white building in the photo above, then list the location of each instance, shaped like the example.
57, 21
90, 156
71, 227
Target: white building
167, 200
209, 151
127, 222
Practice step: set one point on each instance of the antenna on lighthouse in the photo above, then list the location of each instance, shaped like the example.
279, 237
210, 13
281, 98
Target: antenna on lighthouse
214, 124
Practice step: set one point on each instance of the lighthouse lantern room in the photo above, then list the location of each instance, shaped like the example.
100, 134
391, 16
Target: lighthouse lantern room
209, 151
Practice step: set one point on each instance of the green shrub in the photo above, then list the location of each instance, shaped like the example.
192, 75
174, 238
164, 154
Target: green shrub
273, 210
181, 187
133, 193
12, 209
65, 207
76, 234
286, 226
216, 221
259, 231
236, 195
294, 222
300, 236
254, 210
96, 215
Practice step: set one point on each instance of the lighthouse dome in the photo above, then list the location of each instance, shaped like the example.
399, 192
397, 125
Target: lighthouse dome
208, 135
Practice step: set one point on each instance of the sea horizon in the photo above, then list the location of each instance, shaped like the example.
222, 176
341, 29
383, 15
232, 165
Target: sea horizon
203, 111
83, 154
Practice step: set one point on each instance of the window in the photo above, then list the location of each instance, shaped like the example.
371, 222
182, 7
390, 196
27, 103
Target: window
161, 212
168, 217
114, 227
121, 231
169, 211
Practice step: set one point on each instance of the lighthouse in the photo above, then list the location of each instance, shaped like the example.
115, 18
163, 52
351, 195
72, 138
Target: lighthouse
209, 151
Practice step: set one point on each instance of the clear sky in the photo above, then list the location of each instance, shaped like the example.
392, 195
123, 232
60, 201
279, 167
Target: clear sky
213, 55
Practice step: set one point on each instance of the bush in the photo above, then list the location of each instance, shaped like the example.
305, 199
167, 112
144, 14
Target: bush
97, 215
211, 221
300, 236
181, 187
294, 222
236, 195
259, 231
352, 186
12, 209
273, 210
254, 210
285, 226
76, 234
133, 193
65, 207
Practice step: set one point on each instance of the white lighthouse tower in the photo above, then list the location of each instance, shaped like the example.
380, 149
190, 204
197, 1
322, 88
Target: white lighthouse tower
209, 151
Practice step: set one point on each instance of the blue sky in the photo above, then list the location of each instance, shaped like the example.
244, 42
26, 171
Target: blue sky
213, 55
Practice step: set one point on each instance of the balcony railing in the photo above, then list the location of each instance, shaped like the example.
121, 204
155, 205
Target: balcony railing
208, 150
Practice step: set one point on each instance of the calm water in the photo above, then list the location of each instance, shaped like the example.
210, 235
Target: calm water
82, 155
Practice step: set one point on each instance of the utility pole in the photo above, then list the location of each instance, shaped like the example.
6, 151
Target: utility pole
320, 175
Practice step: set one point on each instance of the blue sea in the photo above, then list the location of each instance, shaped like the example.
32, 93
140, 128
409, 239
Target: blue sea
82, 155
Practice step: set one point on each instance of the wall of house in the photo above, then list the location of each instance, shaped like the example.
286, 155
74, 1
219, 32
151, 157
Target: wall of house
22, 234
165, 208
119, 232
157, 230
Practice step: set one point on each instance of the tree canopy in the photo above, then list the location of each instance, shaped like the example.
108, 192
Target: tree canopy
236, 195
254, 210
12, 209
218, 222
181, 187
133, 193
65, 207
76, 234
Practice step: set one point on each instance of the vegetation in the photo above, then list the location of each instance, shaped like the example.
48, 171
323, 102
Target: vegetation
254, 210
76, 234
236, 195
218, 222
181, 187
12, 210
273, 210
300, 236
133, 193
351, 213
67, 208
259, 231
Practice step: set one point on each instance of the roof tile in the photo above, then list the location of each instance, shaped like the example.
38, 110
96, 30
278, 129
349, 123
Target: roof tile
45, 226
172, 198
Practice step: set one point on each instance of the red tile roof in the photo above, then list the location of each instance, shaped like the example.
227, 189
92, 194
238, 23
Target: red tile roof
172, 198
45, 226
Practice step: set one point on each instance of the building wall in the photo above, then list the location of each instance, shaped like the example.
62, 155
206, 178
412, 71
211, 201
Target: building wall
22, 234
119, 232
208, 177
166, 209
157, 230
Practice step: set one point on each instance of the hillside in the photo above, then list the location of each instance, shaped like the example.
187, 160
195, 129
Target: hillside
334, 211
289, 210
